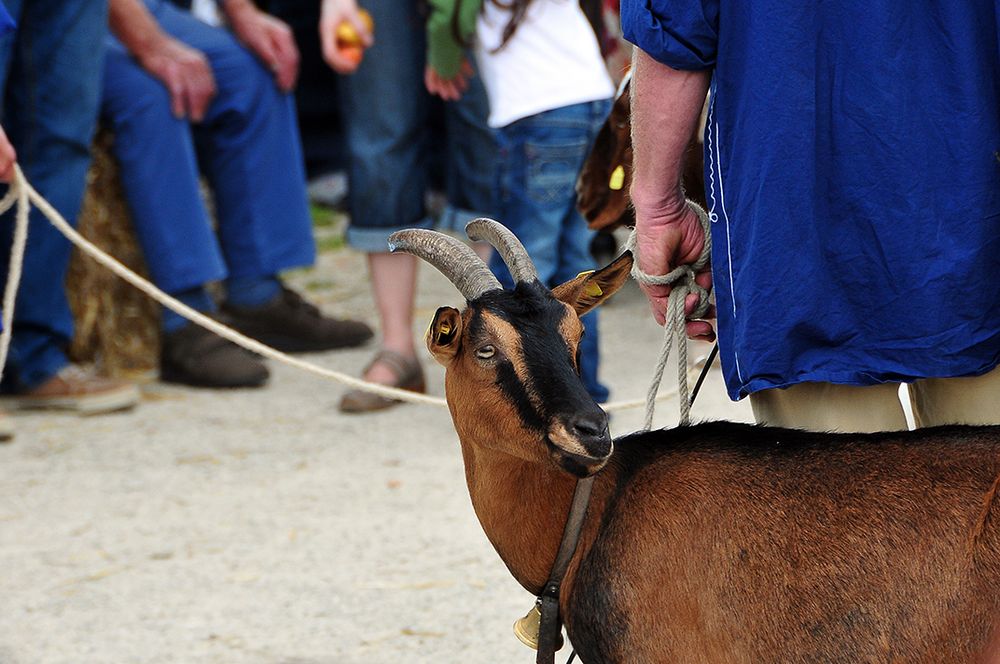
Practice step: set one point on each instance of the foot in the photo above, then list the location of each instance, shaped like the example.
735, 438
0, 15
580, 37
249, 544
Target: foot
292, 325
75, 390
387, 368
194, 356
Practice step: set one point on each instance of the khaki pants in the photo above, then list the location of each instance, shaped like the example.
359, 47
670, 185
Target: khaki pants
848, 408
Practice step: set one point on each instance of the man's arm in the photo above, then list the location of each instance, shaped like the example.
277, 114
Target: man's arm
183, 70
666, 106
268, 38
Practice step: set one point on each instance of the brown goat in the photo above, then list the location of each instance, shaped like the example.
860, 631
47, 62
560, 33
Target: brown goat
601, 196
719, 542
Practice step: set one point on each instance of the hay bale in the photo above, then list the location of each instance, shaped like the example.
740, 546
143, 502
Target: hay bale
117, 327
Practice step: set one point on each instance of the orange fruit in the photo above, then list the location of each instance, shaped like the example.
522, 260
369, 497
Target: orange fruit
347, 35
353, 53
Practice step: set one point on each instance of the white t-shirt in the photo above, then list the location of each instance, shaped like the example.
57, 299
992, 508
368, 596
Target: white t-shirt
552, 60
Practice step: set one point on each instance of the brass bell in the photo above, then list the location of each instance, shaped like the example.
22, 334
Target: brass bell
526, 629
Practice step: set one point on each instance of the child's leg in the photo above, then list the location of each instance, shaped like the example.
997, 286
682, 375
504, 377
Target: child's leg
540, 158
574, 257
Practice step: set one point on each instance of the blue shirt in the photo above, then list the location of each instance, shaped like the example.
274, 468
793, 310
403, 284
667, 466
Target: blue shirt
852, 166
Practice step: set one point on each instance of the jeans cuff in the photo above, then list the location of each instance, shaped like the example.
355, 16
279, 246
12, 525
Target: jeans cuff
41, 367
454, 219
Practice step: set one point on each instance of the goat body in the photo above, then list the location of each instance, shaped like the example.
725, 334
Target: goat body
732, 543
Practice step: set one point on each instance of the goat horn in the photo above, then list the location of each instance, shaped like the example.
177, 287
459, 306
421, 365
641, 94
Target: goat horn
510, 248
452, 257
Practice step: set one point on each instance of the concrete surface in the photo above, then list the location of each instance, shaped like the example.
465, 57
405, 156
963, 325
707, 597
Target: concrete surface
263, 527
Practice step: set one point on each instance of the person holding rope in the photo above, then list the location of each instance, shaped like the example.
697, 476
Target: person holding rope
179, 94
49, 112
854, 189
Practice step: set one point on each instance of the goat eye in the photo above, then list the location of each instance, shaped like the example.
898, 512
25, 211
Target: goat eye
486, 352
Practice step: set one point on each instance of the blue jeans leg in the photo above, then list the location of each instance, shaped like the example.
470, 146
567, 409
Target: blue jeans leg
540, 158
52, 68
471, 159
247, 145
385, 110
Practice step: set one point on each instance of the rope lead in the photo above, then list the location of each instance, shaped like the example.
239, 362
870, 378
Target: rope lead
22, 194
682, 282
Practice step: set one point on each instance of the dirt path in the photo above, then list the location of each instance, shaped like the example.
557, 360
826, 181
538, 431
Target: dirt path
263, 526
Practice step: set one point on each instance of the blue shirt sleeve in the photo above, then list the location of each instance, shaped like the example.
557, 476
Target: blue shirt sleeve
682, 34
6, 22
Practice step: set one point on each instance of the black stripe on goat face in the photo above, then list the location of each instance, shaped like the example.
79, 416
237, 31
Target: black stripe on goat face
537, 371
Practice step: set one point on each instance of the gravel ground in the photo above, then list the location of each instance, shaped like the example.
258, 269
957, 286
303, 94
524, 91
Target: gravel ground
265, 527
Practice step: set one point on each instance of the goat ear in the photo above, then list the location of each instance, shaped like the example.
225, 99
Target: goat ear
445, 334
592, 288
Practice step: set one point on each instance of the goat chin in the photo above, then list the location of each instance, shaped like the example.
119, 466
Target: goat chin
578, 465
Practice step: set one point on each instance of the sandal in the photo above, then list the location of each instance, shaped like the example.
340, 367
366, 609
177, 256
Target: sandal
409, 376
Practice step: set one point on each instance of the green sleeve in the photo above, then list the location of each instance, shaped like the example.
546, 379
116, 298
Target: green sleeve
444, 50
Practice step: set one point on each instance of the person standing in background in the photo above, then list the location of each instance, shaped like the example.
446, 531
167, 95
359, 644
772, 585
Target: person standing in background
385, 114
549, 94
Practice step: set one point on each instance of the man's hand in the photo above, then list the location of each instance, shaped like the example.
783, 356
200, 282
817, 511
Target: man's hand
449, 89
8, 158
186, 73
268, 38
666, 238
333, 13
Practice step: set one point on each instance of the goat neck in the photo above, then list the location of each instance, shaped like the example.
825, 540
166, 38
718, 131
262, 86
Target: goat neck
522, 506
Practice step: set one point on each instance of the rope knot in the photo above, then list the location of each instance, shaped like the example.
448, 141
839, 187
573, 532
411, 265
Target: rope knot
682, 282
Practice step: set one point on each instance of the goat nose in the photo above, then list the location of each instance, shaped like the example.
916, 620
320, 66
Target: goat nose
589, 425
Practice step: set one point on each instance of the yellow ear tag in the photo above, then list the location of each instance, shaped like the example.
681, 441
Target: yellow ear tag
591, 289
444, 329
617, 178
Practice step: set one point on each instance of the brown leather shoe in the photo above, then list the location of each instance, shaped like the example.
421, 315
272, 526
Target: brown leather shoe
76, 390
292, 325
409, 376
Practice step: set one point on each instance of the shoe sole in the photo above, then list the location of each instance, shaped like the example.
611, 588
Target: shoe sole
168, 375
374, 402
98, 403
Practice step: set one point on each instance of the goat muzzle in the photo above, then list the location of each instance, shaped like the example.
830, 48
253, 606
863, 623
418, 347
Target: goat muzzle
580, 444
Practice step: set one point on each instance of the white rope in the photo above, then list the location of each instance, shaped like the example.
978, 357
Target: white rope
682, 282
22, 192
18, 193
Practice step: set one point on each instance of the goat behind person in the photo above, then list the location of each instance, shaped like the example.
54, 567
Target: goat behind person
718, 542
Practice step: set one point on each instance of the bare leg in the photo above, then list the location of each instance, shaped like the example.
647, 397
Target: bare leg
394, 278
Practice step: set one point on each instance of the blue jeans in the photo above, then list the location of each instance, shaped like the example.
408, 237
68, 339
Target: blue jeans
50, 70
386, 110
540, 158
247, 146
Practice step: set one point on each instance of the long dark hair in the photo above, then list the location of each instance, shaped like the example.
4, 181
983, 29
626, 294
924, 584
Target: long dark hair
518, 8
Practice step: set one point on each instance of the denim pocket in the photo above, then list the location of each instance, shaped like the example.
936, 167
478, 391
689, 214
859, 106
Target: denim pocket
553, 169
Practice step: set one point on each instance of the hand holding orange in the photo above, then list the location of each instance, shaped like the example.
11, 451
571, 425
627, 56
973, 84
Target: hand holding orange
349, 40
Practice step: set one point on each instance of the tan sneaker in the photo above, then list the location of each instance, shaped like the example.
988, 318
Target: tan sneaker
76, 390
